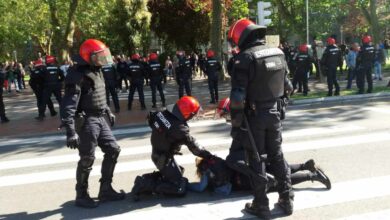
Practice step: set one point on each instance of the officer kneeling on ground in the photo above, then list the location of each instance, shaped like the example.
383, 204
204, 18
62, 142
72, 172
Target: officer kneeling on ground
85, 95
169, 131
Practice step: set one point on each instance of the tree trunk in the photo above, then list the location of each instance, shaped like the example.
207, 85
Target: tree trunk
70, 28
216, 30
374, 22
56, 27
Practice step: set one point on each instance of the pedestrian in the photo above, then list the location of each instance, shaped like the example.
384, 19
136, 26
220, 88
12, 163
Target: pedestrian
303, 63
169, 68
123, 70
156, 76
12, 77
364, 63
351, 63
85, 94
64, 68
3, 117
52, 84
36, 83
137, 75
183, 74
258, 81
212, 69
331, 59
379, 61
111, 79
169, 131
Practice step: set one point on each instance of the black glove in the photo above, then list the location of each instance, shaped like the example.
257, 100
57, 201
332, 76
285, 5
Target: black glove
111, 117
73, 141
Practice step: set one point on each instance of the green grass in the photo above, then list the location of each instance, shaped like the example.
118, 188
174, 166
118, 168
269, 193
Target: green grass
313, 95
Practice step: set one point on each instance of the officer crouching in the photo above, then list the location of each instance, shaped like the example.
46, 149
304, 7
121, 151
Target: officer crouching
85, 95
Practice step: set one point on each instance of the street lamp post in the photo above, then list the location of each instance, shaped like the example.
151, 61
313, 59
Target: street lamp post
307, 22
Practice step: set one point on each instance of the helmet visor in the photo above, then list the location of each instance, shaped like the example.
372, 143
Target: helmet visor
102, 58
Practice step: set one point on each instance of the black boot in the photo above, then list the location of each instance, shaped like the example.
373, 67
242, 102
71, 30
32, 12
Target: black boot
145, 184
40, 117
53, 113
309, 165
320, 176
286, 204
257, 210
82, 196
163, 103
4, 119
154, 105
129, 107
143, 106
107, 193
330, 93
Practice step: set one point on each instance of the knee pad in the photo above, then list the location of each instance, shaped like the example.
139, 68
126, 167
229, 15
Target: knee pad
113, 153
86, 162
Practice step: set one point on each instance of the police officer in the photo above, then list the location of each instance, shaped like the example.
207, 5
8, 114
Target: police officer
3, 117
85, 94
37, 84
364, 63
212, 69
303, 63
111, 79
184, 74
259, 79
52, 83
137, 76
123, 70
331, 59
156, 76
169, 131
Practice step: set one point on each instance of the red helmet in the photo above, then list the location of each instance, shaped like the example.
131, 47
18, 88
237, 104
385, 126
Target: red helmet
303, 48
95, 53
153, 56
50, 59
241, 29
331, 41
135, 56
188, 107
223, 107
38, 63
210, 53
366, 39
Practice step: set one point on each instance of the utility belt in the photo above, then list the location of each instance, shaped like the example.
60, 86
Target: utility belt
280, 104
80, 117
94, 113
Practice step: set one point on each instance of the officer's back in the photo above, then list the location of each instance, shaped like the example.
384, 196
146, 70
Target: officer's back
331, 56
136, 71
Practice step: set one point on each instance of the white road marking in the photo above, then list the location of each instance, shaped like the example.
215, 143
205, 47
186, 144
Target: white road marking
378, 110
380, 215
186, 159
231, 208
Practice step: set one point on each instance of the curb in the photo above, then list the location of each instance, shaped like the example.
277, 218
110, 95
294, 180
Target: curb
340, 99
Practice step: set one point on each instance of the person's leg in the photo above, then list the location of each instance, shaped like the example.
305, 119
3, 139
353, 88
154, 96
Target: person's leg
211, 90
153, 88
369, 80
161, 91
336, 84
330, 82
140, 89
349, 78
187, 85
216, 90
131, 95
181, 88
107, 95
304, 83
115, 98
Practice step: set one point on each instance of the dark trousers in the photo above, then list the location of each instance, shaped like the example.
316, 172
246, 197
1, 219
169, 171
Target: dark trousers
110, 89
47, 92
351, 77
155, 84
38, 92
184, 83
213, 88
139, 86
300, 77
2, 107
332, 80
364, 72
123, 78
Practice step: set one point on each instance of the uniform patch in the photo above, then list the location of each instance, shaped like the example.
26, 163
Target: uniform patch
166, 123
267, 53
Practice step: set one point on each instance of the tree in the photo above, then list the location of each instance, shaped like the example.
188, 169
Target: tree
369, 9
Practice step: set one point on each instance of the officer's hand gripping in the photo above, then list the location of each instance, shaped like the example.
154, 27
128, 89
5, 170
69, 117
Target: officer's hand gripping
73, 141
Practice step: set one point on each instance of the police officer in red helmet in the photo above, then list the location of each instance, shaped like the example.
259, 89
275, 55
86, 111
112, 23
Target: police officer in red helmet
259, 80
83, 112
212, 69
364, 62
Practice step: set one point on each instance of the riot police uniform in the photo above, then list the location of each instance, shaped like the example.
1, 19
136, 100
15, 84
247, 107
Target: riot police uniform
137, 77
36, 83
303, 64
111, 78
156, 76
259, 80
3, 118
123, 70
331, 60
52, 78
212, 69
364, 64
184, 76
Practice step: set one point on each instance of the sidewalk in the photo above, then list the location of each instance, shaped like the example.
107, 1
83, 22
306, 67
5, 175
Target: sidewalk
21, 107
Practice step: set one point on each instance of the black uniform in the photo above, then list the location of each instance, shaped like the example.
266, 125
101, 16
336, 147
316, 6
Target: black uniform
259, 80
169, 132
137, 76
303, 63
364, 64
123, 70
3, 118
184, 76
111, 79
85, 94
212, 70
331, 59
37, 85
52, 78
156, 76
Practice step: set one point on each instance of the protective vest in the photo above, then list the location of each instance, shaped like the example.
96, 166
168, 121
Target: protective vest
93, 92
52, 75
136, 72
212, 68
366, 55
155, 71
109, 73
267, 82
332, 56
303, 62
184, 69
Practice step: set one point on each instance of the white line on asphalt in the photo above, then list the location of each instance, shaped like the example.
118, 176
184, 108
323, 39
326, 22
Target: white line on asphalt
378, 110
145, 164
13, 164
380, 215
231, 208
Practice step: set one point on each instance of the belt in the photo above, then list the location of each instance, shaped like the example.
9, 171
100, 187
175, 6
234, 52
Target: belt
95, 113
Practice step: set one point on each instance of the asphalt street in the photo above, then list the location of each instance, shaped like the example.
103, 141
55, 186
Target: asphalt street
350, 142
